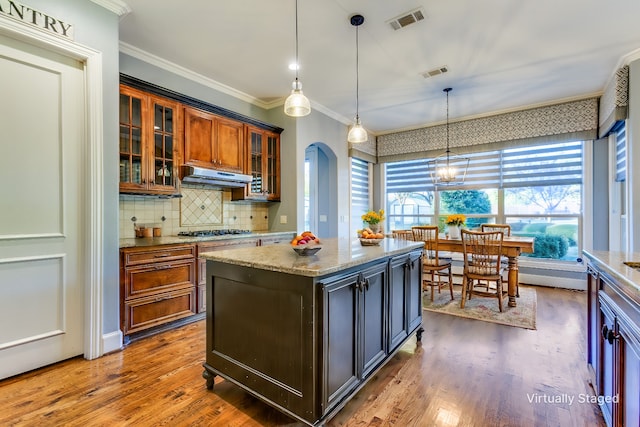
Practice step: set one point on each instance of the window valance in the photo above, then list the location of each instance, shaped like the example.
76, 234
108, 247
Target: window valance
569, 121
364, 151
614, 101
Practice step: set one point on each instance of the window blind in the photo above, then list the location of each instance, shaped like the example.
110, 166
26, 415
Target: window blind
538, 165
621, 151
359, 189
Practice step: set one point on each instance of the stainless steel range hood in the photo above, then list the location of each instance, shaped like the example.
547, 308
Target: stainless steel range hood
213, 177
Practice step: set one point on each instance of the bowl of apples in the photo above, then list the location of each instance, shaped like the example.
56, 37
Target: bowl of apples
306, 244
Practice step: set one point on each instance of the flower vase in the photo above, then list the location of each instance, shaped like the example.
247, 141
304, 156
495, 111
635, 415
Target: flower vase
454, 232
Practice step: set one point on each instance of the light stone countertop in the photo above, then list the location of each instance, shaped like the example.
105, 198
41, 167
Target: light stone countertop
337, 254
613, 264
172, 240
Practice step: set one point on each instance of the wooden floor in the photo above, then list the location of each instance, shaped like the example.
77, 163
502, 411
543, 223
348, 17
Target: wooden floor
466, 373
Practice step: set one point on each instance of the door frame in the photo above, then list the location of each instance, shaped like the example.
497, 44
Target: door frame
92, 212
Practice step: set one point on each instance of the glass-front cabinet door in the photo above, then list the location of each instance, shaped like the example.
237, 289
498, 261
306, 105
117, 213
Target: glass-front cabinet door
131, 144
273, 166
257, 173
263, 164
149, 140
164, 133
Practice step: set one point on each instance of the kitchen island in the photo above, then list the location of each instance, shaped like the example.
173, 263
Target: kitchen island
613, 334
305, 333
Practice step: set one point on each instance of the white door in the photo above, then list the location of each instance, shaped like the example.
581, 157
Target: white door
42, 198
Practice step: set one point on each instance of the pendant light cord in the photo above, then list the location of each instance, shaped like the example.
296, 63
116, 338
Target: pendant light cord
297, 64
357, 76
447, 90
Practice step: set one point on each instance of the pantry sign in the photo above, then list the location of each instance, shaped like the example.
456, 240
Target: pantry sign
30, 16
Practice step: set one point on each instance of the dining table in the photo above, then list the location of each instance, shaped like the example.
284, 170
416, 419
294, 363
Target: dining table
512, 247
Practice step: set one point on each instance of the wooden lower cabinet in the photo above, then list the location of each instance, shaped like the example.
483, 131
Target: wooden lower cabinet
305, 345
215, 245
613, 348
157, 285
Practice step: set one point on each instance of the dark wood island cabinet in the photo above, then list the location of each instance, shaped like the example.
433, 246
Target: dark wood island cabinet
613, 334
304, 334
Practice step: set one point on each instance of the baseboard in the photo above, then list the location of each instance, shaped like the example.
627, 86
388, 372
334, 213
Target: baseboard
554, 278
112, 342
553, 282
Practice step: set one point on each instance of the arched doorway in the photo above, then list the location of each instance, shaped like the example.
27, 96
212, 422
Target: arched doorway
320, 190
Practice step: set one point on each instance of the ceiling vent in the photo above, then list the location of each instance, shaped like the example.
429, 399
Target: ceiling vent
435, 72
407, 19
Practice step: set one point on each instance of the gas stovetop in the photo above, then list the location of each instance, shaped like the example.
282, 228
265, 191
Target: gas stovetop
204, 233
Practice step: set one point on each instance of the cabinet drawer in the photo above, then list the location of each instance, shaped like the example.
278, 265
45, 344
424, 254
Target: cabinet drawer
139, 256
157, 278
144, 313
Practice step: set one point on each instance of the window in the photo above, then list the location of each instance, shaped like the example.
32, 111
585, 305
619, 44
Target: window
535, 189
410, 195
620, 132
359, 192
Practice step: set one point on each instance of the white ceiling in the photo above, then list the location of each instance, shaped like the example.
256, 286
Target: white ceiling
501, 54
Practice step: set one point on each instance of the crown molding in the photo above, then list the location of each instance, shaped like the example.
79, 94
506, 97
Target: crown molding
118, 7
190, 75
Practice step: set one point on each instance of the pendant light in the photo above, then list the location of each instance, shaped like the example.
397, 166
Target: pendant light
296, 104
357, 133
448, 168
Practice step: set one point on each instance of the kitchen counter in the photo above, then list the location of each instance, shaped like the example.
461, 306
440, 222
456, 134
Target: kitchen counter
336, 254
613, 264
172, 240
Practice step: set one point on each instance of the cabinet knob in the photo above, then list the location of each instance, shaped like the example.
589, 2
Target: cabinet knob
608, 334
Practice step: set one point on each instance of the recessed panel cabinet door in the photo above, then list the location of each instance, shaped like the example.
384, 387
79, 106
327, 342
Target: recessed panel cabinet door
340, 339
373, 312
199, 134
212, 141
42, 267
230, 144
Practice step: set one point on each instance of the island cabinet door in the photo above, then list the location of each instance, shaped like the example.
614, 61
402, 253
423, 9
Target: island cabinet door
372, 317
340, 338
414, 293
630, 374
593, 314
607, 381
405, 297
354, 330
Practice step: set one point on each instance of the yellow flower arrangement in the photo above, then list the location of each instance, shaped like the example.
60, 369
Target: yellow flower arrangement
456, 219
373, 217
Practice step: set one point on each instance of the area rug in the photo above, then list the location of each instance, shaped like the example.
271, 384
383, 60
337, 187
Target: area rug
486, 309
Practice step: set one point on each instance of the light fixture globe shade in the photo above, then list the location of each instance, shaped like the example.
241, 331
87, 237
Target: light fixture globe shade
357, 133
296, 104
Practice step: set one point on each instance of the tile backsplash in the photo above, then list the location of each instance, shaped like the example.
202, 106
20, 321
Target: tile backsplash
198, 209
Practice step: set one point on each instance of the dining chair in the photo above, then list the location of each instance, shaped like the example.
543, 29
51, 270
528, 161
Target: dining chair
436, 269
482, 253
402, 234
506, 229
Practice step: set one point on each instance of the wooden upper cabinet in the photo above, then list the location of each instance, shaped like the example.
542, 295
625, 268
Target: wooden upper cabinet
211, 141
150, 140
263, 164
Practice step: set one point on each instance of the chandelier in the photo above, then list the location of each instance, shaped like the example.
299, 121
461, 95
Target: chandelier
448, 168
